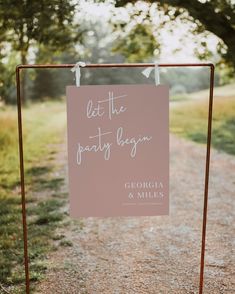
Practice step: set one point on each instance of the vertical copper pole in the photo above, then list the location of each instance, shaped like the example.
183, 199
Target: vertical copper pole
21, 155
207, 169
27, 66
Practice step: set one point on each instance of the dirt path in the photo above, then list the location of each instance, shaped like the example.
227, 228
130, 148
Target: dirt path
155, 254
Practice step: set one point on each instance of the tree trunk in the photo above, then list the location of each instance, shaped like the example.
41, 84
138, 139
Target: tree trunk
214, 21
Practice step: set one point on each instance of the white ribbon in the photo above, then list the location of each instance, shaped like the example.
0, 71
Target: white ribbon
77, 71
146, 72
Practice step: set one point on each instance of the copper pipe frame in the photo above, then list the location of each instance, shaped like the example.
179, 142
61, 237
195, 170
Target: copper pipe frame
114, 65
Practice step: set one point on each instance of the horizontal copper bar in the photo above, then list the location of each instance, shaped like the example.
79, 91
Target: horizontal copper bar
123, 65
113, 65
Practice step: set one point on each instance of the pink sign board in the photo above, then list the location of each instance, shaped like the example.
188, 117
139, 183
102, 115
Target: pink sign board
118, 150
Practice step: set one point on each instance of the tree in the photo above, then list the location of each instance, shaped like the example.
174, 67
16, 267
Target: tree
140, 44
51, 83
215, 16
27, 23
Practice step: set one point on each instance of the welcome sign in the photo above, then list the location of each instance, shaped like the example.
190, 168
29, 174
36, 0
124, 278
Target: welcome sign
118, 150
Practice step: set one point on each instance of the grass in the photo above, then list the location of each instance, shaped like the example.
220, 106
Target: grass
189, 120
44, 126
179, 97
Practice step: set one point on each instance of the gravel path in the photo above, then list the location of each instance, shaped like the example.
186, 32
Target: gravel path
155, 254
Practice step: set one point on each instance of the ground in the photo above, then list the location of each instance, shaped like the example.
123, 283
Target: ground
153, 254
118, 255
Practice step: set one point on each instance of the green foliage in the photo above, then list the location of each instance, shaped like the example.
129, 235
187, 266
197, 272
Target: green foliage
44, 85
215, 16
51, 83
7, 77
186, 80
138, 45
26, 25
44, 22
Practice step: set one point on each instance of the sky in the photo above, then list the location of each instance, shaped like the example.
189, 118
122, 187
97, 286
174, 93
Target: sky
177, 45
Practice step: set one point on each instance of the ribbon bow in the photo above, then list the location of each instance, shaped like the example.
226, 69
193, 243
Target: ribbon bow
147, 71
77, 71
